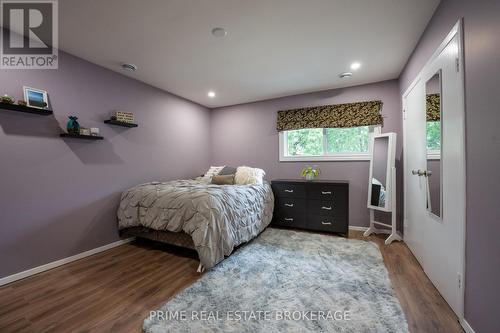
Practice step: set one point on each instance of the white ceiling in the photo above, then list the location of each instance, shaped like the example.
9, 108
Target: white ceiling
273, 48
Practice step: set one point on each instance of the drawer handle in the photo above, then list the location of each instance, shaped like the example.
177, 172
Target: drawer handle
289, 191
289, 205
326, 208
326, 192
326, 223
288, 219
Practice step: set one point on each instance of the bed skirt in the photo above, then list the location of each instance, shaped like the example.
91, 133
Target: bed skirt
173, 238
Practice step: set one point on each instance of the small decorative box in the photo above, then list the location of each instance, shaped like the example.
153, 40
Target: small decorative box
126, 117
84, 131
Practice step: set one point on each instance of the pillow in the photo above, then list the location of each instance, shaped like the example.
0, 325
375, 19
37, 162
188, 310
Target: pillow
213, 171
249, 176
223, 180
228, 170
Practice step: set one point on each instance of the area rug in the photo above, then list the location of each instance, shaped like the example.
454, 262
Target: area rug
288, 281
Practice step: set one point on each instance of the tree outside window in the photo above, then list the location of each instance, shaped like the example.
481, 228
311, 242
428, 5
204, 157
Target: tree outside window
327, 141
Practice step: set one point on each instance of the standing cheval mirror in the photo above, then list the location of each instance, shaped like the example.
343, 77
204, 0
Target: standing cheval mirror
382, 184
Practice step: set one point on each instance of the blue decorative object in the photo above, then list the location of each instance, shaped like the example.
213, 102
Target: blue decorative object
73, 126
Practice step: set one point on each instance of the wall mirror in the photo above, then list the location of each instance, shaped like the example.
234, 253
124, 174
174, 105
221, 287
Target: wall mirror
434, 138
381, 168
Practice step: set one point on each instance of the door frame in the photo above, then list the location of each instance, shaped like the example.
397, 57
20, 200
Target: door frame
456, 31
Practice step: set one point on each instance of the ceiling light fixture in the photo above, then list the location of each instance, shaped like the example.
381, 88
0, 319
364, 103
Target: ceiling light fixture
219, 32
355, 66
211, 94
129, 67
345, 75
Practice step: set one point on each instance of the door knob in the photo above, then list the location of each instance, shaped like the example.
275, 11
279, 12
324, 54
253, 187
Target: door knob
418, 172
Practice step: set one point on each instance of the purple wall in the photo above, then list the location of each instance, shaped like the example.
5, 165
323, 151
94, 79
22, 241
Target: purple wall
59, 197
482, 79
246, 134
434, 166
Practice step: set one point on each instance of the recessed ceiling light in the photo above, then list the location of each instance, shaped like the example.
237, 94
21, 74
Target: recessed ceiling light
129, 67
219, 32
355, 66
211, 94
345, 75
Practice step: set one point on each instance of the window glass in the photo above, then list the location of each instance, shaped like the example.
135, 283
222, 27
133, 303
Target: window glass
434, 135
347, 140
305, 142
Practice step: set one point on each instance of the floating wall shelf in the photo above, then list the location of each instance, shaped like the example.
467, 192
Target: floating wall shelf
78, 136
25, 109
119, 123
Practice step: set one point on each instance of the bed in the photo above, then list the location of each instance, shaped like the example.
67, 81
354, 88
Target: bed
211, 219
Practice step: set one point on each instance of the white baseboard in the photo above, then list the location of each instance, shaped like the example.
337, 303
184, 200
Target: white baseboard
353, 227
466, 326
54, 264
379, 230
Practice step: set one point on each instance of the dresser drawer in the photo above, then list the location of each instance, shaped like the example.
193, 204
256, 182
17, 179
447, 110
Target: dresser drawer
289, 190
327, 223
290, 220
290, 205
336, 207
326, 191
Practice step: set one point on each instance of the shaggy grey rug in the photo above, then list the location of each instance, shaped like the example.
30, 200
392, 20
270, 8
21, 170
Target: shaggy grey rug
288, 281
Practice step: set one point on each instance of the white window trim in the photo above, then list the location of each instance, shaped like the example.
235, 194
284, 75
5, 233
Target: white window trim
328, 157
433, 154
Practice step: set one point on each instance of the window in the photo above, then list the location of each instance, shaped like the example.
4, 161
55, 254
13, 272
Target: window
434, 135
326, 144
433, 139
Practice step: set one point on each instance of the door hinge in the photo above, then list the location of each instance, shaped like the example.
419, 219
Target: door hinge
457, 63
459, 281
404, 114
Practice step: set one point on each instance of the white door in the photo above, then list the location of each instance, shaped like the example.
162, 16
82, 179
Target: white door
415, 150
435, 202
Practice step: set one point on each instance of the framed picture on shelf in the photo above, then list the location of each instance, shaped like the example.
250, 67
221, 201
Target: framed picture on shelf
36, 98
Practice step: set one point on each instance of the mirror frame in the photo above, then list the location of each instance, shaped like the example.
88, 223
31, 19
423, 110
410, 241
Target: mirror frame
391, 163
433, 156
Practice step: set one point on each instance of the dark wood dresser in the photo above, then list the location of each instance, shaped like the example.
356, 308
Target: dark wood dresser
319, 205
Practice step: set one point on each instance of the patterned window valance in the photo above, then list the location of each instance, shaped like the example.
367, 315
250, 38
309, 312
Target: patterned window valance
331, 116
433, 102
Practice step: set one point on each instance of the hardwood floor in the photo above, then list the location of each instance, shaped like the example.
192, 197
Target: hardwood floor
425, 309
114, 291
